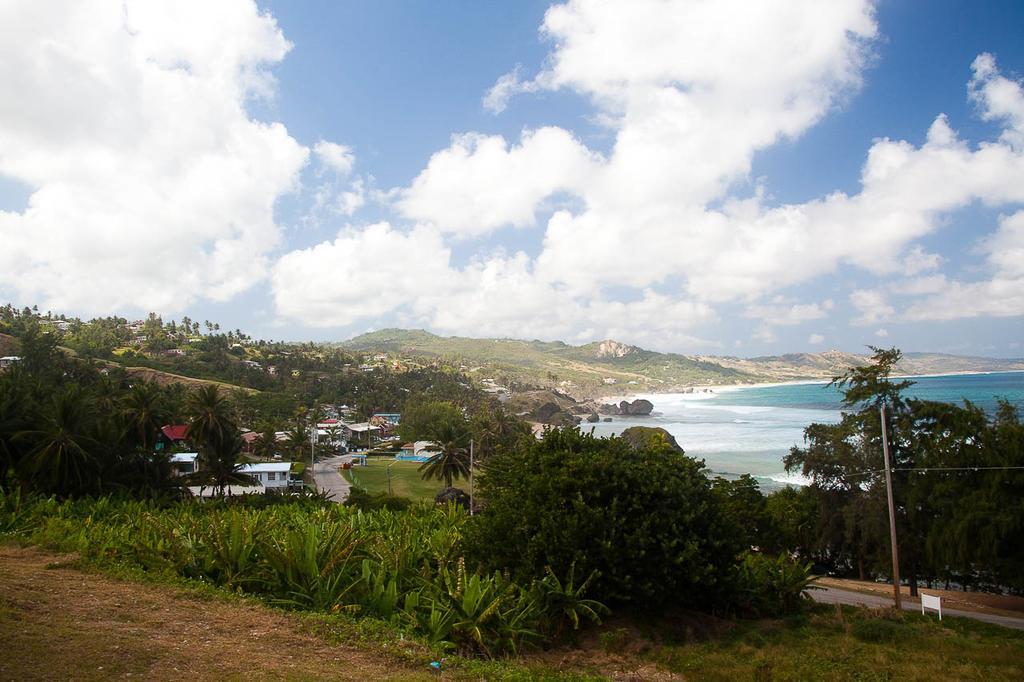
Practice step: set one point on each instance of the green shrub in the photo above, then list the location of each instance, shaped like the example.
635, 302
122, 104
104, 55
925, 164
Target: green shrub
643, 518
772, 586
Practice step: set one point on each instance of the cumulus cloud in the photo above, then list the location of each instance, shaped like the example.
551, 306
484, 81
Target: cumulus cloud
1000, 296
151, 185
480, 183
689, 94
816, 339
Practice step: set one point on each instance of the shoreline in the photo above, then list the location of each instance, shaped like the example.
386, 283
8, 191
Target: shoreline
715, 388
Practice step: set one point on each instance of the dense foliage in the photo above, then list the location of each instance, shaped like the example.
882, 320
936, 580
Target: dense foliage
643, 520
401, 567
958, 482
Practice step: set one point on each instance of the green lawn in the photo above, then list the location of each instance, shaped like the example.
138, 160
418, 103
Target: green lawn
405, 479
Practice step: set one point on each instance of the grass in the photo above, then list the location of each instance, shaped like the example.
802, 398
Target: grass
405, 479
850, 643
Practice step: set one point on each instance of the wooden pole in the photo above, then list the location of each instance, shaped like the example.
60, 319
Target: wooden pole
892, 514
470, 476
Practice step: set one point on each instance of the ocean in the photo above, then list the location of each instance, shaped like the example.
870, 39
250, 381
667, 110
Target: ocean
748, 430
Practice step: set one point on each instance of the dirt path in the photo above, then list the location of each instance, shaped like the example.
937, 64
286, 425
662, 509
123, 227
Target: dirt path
60, 623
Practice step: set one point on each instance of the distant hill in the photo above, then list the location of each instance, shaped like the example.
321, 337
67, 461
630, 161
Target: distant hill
607, 367
796, 366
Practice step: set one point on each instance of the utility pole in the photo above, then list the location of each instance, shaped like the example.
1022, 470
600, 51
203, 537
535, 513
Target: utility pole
892, 514
470, 476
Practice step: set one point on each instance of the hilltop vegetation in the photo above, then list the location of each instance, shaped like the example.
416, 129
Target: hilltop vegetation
603, 367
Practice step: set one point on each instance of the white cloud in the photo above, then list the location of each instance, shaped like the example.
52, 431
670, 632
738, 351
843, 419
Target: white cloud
362, 274
881, 333
788, 315
151, 186
998, 98
872, 305
815, 339
1000, 296
337, 157
480, 183
690, 93
496, 99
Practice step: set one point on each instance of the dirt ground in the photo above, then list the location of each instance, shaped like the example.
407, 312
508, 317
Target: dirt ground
61, 623
980, 602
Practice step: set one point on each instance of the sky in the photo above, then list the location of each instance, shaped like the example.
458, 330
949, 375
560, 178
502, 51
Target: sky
726, 178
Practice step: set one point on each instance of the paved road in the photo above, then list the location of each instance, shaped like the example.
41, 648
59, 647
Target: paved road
328, 479
831, 595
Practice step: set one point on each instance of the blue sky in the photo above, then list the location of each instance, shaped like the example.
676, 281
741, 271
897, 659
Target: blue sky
703, 179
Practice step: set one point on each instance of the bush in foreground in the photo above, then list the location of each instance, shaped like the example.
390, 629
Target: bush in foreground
641, 520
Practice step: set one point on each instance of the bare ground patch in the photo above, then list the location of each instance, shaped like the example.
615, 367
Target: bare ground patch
60, 623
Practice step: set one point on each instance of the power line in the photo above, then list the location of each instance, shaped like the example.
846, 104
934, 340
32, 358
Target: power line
868, 472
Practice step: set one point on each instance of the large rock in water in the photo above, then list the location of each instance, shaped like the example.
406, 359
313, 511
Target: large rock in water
637, 408
593, 418
647, 436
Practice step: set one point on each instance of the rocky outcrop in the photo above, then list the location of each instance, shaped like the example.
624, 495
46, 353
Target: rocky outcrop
650, 436
614, 349
637, 408
593, 418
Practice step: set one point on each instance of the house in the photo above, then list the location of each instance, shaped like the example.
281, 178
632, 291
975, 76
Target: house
8, 360
389, 418
173, 352
172, 436
251, 441
252, 364
332, 432
270, 475
184, 463
362, 434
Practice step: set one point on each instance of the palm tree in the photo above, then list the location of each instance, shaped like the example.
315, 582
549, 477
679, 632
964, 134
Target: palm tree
451, 442
61, 450
143, 414
210, 419
298, 438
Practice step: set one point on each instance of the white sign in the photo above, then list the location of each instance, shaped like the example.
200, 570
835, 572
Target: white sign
930, 602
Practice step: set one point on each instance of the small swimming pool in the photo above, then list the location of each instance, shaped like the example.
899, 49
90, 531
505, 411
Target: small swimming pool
413, 458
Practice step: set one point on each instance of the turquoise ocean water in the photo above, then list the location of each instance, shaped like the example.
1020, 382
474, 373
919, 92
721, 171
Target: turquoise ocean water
749, 429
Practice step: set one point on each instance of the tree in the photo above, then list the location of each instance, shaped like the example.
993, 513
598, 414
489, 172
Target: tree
451, 447
61, 448
210, 416
419, 418
143, 413
644, 519
213, 430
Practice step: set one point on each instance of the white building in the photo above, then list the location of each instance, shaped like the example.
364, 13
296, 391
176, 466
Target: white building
270, 475
8, 360
185, 463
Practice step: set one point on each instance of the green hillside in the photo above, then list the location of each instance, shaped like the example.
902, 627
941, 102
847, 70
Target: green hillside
608, 367
588, 370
